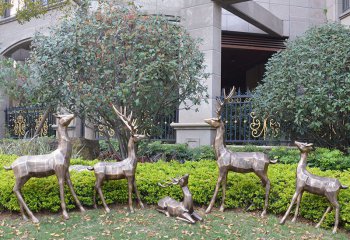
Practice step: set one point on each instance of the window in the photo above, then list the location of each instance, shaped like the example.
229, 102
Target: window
346, 5
7, 10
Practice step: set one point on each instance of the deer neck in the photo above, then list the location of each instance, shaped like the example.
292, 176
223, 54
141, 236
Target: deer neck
64, 143
131, 151
219, 145
302, 163
188, 201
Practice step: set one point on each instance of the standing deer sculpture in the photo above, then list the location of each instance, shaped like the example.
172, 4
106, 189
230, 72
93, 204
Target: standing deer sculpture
120, 170
56, 162
181, 210
240, 162
323, 186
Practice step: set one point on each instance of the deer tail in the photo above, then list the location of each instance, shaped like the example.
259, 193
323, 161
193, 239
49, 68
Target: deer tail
273, 161
8, 168
343, 186
90, 168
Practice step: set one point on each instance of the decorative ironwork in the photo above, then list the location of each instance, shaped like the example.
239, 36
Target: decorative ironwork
242, 125
24, 121
259, 129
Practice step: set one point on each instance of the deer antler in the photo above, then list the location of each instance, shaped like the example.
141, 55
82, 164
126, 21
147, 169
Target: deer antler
222, 103
127, 120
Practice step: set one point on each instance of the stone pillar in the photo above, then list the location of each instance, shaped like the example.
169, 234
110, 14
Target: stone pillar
4, 103
202, 18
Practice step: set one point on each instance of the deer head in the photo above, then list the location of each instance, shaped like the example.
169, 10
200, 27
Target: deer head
64, 120
181, 181
130, 124
304, 147
217, 122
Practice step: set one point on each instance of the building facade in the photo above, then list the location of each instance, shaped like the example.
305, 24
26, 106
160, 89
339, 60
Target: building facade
238, 38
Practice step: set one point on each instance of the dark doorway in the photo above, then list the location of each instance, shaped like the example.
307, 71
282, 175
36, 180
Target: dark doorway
244, 57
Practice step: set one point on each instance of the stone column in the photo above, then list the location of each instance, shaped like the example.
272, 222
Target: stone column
4, 103
202, 18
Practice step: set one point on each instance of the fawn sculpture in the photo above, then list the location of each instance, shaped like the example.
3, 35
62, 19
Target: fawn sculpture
56, 162
241, 162
120, 170
323, 186
181, 210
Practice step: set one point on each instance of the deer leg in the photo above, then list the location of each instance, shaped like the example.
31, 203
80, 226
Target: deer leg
332, 197
70, 185
223, 184
196, 216
61, 178
212, 202
23, 206
283, 220
324, 215
137, 193
297, 207
266, 183
130, 187
98, 185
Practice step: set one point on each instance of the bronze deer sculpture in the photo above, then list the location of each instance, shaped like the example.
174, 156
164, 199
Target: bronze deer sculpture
56, 162
181, 210
240, 162
120, 170
323, 186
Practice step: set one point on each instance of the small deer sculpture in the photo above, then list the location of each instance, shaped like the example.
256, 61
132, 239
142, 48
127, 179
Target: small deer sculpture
241, 162
323, 186
120, 170
181, 210
56, 162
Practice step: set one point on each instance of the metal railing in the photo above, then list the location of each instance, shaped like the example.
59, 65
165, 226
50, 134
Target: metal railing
23, 121
243, 126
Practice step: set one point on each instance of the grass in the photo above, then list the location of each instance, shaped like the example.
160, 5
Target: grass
149, 224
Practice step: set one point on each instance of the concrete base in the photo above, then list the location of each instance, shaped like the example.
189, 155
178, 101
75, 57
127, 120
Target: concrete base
194, 134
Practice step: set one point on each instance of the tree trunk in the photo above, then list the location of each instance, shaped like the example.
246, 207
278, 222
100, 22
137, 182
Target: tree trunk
42, 122
123, 143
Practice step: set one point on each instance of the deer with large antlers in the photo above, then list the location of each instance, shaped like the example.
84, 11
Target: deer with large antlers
323, 186
181, 210
56, 162
241, 162
120, 170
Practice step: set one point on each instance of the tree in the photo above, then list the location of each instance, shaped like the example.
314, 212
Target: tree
118, 55
307, 86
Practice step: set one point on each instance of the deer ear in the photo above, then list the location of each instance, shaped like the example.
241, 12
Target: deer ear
309, 144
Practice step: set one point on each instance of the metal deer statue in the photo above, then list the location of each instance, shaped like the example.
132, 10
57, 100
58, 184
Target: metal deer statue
241, 162
181, 210
323, 186
120, 170
56, 163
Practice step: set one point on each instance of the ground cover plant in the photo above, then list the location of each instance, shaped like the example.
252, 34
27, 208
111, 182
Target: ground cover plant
244, 190
149, 224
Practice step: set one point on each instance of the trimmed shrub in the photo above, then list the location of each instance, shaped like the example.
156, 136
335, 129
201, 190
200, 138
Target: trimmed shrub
243, 189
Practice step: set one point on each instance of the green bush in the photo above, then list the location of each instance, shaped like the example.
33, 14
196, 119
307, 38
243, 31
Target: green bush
243, 189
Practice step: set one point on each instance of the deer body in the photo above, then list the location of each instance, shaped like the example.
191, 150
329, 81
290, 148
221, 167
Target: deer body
120, 170
240, 162
181, 210
323, 186
56, 162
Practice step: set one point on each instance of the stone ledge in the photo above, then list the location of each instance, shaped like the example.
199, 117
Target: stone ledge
192, 126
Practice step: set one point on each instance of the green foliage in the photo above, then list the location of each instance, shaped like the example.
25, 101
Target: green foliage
118, 55
243, 189
307, 86
20, 147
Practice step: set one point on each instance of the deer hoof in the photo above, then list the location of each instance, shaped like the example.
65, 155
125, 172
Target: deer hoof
318, 225
294, 220
82, 209
141, 205
282, 222
35, 220
222, 209
108, 210
25, 218
263, 214
65, 216
208, 210
334, 231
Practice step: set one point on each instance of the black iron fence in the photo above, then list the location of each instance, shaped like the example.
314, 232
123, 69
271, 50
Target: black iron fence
243, 126
23, 121
346, 5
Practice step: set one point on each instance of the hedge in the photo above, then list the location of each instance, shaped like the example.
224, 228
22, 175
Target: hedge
243, 189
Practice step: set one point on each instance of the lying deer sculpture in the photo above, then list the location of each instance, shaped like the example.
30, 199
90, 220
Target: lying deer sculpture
56, 162
120, 170
323, 186
181, 210
241, 162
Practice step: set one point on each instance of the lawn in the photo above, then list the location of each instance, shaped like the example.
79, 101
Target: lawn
149, 224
